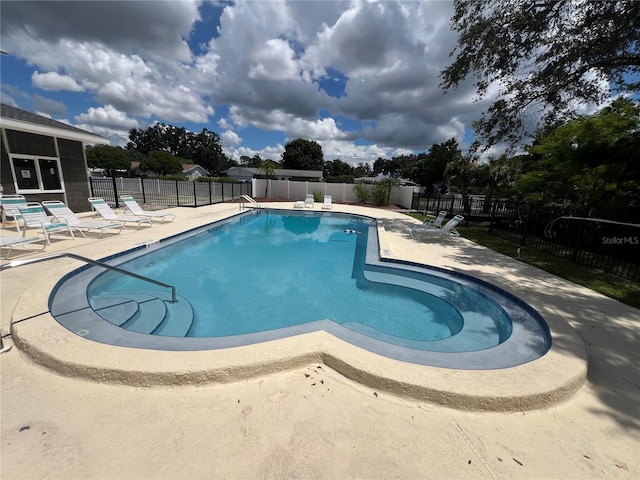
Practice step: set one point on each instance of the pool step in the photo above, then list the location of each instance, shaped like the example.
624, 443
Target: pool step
146, 311
478, 333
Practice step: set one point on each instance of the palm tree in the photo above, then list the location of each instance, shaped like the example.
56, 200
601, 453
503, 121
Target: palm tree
268, 168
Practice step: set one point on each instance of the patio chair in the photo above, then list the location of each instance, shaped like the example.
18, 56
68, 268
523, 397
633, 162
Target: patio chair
308, 201
135, 209
436, 222
299, 204
327, 204
10, 242
449, 228
107, 213
34, 216
63, 213
10, 210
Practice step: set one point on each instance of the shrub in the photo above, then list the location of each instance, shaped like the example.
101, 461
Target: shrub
362, 192
380, 194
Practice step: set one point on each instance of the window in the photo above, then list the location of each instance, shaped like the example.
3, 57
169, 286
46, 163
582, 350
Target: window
36, 174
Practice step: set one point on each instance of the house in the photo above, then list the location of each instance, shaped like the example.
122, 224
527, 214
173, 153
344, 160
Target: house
193, 171
44, 159
246, 174
190, 170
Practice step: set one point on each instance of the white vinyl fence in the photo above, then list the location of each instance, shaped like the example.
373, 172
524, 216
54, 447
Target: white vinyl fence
341, 192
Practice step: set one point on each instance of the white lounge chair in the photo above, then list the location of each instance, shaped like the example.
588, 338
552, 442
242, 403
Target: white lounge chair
34, 216
308, 201
299, 204
9, 242
327, 204
449, 228
135, 209
10, 210
438, 221
106, 212
63, 213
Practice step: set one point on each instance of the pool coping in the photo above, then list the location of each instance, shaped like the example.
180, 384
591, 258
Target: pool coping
553, 378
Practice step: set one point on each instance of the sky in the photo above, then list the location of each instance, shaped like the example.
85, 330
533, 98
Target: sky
361, 78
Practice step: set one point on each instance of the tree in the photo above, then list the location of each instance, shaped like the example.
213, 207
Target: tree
549, 58
462, 172
337, 168
204, 148
109, 158
250, 162
429, 169
161, 163
300, 154
586, 160
362, 170
268, 168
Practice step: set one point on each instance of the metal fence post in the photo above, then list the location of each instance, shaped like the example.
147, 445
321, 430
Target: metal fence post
493, 214
177, 194
526, 225
210, 194
115, 190
144, 195
195, 194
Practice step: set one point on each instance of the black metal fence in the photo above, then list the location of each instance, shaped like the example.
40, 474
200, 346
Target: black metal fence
609, 245
170, 193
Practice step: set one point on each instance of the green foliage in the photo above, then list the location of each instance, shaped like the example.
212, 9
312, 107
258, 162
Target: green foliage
300, 154
250, 162
337, 168
340, 179
217, 180
317, 196
161, 163
362, 170
548, 58
430, 168
178, 178
586, 161
109, 158
380, 194
362, 192
204, 148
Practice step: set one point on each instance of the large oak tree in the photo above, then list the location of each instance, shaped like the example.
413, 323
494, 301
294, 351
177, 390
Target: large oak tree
547, 58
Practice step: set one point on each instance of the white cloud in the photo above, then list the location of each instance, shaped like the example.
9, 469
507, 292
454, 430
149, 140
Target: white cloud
53, 81
108, 117
230, 139
268, 63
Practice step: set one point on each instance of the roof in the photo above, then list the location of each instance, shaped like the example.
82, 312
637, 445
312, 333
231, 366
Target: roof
21, 120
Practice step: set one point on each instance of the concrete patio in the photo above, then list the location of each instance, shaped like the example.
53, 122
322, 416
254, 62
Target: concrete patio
72, 408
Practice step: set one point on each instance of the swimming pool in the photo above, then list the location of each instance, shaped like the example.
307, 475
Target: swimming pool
267, 275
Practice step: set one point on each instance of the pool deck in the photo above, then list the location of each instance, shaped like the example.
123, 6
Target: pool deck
312, 406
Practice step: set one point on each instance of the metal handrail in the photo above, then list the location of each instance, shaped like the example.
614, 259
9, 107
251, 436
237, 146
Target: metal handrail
18, 263
250, 200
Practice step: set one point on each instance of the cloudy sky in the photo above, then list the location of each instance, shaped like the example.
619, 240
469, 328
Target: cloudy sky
360, 78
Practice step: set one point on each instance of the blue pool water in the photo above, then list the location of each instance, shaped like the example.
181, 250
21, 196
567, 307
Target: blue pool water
291, 272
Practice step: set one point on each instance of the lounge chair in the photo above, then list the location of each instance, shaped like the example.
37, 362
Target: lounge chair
63, 213
135, 209
299, 204
449, 228
308, 201
10, 210
436, 222
106, 212
327, 205
34, 216
10, 242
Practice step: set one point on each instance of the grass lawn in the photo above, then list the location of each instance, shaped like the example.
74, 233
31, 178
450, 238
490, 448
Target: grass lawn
610, 285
